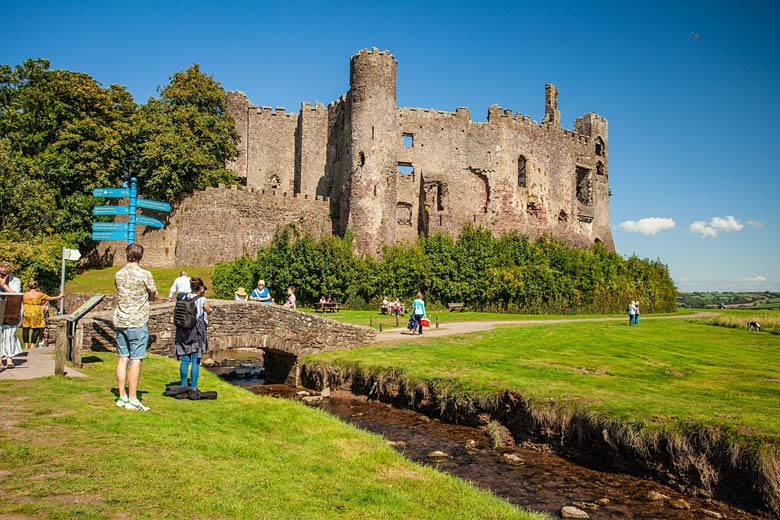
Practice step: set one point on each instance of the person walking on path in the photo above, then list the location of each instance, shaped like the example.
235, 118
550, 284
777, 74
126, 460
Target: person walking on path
135, 288
34, 320
261, 293
418, 311
636, 316
631, 313
9, 343
191, 344
180, 287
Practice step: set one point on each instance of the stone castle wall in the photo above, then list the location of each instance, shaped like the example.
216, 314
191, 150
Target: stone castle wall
463, 172
343, 166
221, 224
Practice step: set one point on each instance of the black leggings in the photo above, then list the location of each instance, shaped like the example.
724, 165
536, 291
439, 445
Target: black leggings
36, 333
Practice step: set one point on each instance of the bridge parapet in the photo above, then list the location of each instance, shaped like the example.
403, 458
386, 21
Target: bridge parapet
234, 324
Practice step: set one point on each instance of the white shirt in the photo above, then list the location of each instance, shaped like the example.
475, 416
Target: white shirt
180, 285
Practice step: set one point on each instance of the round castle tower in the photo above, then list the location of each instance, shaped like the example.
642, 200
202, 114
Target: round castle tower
375, 137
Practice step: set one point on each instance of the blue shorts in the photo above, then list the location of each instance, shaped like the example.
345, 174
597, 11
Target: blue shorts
132, 342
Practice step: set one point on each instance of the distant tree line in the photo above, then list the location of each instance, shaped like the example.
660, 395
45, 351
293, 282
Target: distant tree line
507, 273
63, 134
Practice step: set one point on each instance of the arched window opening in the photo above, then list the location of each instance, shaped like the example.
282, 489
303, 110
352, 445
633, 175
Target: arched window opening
583, 185
599, 147
600, 168
521, 169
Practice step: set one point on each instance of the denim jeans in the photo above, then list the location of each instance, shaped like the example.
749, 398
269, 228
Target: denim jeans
184, 367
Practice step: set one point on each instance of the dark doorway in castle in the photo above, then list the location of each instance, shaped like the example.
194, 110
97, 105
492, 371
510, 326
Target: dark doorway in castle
583, 185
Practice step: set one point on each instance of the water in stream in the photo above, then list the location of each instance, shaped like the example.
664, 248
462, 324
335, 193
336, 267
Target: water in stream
533, 479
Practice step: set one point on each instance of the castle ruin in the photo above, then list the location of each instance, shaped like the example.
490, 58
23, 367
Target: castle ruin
391, 173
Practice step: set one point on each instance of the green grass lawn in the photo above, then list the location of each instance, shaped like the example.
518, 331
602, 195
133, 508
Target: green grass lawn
101, 281
662, 374
66, 451
365, 317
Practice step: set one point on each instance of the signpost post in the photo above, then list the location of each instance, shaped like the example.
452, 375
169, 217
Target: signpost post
67, 254
125, 230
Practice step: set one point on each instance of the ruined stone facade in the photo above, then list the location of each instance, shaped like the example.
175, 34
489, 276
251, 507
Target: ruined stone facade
390, 173
220, 224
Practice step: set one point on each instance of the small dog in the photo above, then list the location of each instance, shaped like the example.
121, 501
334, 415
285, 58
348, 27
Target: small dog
754, 325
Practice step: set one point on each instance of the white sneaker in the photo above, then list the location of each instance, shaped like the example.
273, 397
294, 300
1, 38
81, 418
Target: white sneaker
121, 403
136, 406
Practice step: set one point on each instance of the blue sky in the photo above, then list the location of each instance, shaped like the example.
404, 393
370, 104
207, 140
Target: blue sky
692, 118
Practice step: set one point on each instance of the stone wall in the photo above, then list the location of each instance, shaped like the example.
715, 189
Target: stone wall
221, 224
234, 324
463, 172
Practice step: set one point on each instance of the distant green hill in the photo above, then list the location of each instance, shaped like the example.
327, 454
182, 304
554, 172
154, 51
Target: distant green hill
754, 300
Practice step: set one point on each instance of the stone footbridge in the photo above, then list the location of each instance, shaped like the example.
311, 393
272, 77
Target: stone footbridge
282, 335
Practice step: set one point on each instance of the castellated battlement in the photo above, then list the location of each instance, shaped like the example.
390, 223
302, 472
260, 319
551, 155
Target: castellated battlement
390, 173
372, 51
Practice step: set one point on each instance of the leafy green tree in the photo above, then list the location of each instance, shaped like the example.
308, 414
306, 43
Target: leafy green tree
186, 137
65, 135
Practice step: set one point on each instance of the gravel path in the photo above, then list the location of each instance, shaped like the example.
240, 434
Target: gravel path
464, 327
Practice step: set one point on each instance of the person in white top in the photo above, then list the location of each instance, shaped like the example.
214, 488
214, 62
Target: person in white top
181, 286
9, 343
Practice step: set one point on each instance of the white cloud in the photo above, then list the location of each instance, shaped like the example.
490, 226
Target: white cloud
648, 226
721, 224
753, 279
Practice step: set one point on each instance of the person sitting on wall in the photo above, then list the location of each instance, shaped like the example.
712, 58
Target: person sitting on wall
240, 294
261, 293
385, 309
397, 307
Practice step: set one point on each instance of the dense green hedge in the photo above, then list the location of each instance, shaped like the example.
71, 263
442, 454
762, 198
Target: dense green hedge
484, 272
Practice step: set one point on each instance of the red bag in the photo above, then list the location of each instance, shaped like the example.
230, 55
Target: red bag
425, 322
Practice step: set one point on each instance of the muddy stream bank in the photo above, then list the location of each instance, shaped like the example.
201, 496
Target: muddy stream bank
527, 476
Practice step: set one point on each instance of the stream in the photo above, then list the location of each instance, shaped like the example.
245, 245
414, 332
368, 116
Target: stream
530, 478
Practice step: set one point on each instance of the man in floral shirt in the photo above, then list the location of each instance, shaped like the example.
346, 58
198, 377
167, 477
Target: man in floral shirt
134, 288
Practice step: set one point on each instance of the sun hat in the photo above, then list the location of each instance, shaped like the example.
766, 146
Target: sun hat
240, 291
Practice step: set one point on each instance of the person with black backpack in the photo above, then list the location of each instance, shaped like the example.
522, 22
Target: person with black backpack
190, 315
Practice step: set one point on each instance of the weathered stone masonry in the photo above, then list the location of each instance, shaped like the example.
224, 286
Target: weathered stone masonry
271, 328
391, 173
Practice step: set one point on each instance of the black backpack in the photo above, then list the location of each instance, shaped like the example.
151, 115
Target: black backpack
185, 312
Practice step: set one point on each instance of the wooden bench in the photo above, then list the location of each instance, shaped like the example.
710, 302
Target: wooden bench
327, 307
456, 307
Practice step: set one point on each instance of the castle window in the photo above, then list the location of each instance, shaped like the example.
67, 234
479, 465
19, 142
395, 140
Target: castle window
521, 165
405, 168
361, 159
600, 168
583, 185
408, 140
599, 147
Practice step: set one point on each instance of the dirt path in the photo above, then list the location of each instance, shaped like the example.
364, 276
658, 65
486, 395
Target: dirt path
464, 327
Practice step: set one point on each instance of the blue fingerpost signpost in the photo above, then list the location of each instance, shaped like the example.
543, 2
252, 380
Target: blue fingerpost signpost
125, 230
